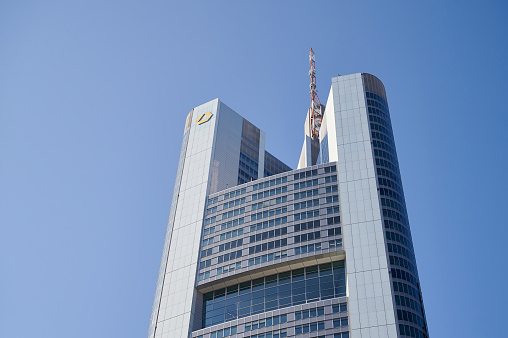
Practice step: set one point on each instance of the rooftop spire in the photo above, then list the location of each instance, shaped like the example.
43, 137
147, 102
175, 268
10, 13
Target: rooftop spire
315, 105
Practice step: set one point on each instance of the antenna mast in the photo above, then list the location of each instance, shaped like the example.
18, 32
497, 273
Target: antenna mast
315, 105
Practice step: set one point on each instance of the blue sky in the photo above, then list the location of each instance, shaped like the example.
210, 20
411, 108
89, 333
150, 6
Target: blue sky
93, 101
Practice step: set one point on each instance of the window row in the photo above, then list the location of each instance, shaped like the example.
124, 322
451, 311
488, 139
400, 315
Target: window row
270, 223
410, 317
387, 164
331, 210
342, 307
267, 258
331, 188
259, 324
388, 173
408, 302
371, 95
405, 288
232, 213
306, 204
282, 333
249, 160
306, 225
305, 184
378, 112
381, 153
205, 264
305, 174
232, 223
268, 246
410, 331
392, 236
334, 198
235, 193
228, 268
394, 260
269, 203
313, 312
309, 327
340, 322
268, 213
329, 179
208, 231
277, 291
204, 275
394, 205
270, 192
331, 169
211, 210
207, 241
206, 252
381, 144
307, 193
393, 186
224, 332
334, 232
380, 120
270, 183
234, 203
373, 103
306, 214
335, 243
230, 234
231, 245
401, 251
268, 234
341, 335
307, 248
395, 215
229, 256
404, 275
382, 137
307, 237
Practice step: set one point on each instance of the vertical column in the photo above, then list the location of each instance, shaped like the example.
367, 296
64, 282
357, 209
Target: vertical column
175, 316
369, 290
261, 159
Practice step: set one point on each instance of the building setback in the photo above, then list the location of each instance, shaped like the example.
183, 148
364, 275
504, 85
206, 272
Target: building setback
256, 249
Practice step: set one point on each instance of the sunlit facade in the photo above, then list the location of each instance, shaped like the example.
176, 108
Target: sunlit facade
256, 249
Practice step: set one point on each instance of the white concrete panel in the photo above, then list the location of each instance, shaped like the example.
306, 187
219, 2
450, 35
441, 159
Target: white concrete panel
175, 318
362, 226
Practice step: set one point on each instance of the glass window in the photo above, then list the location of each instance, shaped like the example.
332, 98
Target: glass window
294, 287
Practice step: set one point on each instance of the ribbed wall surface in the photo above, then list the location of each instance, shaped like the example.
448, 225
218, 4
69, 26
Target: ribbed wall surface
409, 308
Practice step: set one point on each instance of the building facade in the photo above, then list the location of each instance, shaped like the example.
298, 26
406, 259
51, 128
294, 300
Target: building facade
256, 249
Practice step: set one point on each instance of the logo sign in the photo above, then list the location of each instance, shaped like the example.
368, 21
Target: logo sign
204, 117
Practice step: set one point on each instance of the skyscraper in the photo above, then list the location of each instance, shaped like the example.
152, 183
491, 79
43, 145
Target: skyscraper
256, 249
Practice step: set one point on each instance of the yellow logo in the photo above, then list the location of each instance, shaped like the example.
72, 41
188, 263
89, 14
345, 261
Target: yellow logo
204, 117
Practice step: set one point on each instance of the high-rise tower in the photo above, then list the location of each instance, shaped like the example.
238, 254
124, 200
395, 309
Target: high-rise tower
255, 249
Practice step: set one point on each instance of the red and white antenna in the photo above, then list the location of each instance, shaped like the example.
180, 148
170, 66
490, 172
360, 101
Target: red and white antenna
315, 105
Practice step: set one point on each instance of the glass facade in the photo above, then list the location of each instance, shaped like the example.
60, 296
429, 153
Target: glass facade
277, 291
263, 251
273, 165
267, 207
409, 303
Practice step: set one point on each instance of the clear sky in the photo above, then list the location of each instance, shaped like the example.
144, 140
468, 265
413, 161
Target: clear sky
93, 101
